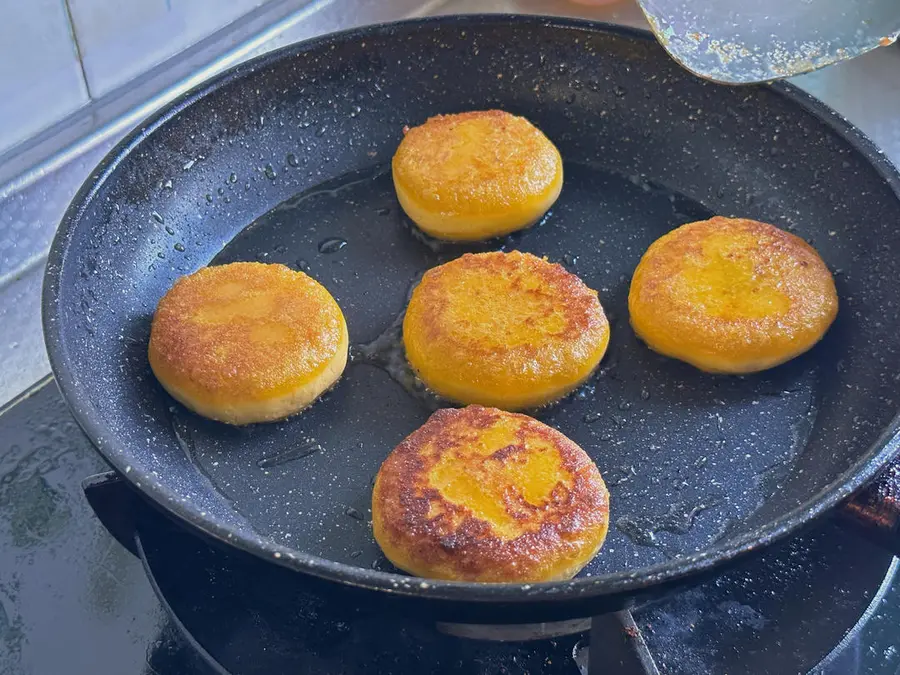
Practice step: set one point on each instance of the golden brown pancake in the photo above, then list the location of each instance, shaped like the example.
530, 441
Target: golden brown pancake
731, 295
509, 330
476, 175
247, 342
479, 494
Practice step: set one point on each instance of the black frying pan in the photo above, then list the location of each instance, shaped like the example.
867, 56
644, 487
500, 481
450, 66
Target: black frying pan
287, 156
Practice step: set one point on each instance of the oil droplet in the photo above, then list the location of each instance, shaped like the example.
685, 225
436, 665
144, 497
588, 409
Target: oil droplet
387, 352
169, 229
355, 112
592, 417
292, 160
619, 91
270, 172
585, 392
179, 247
158, 218
436, 245
302, 265
289, 455
383, 211
645, 395
209, 198
353, 513
618, 475
161, 255
331, 245
220, 191
232, 178
320, 132
679, 519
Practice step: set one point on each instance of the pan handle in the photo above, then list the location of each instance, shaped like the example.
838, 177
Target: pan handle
875, 511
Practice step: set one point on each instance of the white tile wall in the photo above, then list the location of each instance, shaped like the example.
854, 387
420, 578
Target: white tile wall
120, 39
40, 78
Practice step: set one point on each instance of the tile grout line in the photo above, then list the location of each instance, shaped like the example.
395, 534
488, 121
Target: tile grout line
74, 33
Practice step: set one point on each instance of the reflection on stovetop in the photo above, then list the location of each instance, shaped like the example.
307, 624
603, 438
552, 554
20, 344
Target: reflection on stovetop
72, 600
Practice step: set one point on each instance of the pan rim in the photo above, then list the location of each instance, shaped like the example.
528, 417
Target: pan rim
601, 586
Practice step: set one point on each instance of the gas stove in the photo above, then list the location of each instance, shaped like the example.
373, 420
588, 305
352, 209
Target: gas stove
144, 595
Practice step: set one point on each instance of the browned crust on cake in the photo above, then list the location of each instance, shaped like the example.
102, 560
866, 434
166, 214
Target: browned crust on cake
456, 544
559, 291
520, 161
220, 359
776, 255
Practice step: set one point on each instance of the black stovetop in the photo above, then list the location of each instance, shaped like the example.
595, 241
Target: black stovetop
74, 601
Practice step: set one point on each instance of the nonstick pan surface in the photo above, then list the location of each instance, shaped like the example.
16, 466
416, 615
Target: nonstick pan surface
286, 159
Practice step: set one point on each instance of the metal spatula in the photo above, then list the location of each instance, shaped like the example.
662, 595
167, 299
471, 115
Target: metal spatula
747, 41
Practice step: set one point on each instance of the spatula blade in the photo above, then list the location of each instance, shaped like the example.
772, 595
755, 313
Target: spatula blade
740, 42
